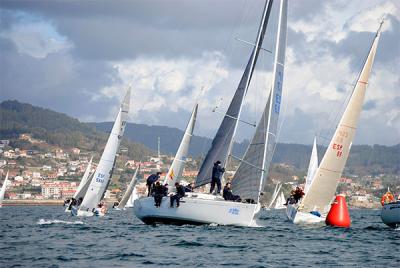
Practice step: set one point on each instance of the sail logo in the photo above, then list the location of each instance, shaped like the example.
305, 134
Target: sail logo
233, 211
278, 96
100, 178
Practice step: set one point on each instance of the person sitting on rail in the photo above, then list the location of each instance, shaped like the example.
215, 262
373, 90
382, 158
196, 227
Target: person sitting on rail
228, 195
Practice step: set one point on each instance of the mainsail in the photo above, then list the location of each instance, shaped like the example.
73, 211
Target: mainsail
250, 178
84, 185
222, 142
129, 190
3, 189
176, 169
326, 178
103, 173
312, 166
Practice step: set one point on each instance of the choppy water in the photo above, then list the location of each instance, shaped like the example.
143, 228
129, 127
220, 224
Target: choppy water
48, 237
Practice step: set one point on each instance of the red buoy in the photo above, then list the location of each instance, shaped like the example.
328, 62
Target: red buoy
338, 215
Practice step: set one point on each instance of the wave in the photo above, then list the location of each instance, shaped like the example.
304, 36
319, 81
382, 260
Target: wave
48, 222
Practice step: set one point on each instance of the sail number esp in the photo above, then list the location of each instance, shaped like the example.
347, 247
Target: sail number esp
100, 178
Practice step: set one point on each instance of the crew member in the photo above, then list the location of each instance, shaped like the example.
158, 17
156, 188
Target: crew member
298, 194
189, 187
217, 172
387, 198
180, 192
159, 193
228, 195
151, 180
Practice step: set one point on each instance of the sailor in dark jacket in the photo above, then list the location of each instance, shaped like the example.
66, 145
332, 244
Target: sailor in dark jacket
180, 192
228, 195
217, 172
151, 180
159, 193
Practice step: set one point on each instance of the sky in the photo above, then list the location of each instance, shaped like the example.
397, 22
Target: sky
79, 57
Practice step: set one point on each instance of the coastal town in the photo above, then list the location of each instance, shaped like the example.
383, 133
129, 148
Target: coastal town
41, 173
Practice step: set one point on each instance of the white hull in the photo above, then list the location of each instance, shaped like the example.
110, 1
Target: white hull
390, 214
303, 218
196, 208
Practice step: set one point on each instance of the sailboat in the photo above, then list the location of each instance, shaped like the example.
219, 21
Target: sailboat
280, 202
129, 191
390, 214
132, 199
101, 177
316, 203
312, 166
3, 190
249, 179
278, 187
83, 185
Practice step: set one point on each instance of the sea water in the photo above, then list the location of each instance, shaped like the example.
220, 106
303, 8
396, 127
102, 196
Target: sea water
49, 237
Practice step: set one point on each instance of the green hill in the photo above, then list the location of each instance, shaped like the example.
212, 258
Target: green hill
56, 129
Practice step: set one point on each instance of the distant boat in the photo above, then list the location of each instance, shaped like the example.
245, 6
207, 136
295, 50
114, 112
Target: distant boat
3, 190
83, 185
101, 178
250, 177
277, 189
316, 203
129, 191
280, 202
132, 199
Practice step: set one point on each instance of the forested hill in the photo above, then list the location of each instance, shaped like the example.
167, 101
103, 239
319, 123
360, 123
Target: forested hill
56, 129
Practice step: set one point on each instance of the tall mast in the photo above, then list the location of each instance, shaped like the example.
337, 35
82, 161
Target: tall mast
223, 140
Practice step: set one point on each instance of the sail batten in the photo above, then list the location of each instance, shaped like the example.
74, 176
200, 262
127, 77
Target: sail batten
326, 178
223, 140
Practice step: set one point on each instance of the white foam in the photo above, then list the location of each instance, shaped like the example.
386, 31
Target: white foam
47, 222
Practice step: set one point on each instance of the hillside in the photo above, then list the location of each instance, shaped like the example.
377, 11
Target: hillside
363, 160
59, 129
56, 129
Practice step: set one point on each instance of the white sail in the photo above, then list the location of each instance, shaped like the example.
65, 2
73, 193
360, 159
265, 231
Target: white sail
275, 194
312, 166
103, 173
326, 178
132, 198
3, 189
176, 169
250, 178
83, 185
129, 190
280, 201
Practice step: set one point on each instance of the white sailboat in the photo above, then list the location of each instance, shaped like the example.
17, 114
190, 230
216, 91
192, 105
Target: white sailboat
83, 185
249, 180
101, 178
312, 166
278, 187
3, 190
280, 202
132, 199
129, 191
315, 205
